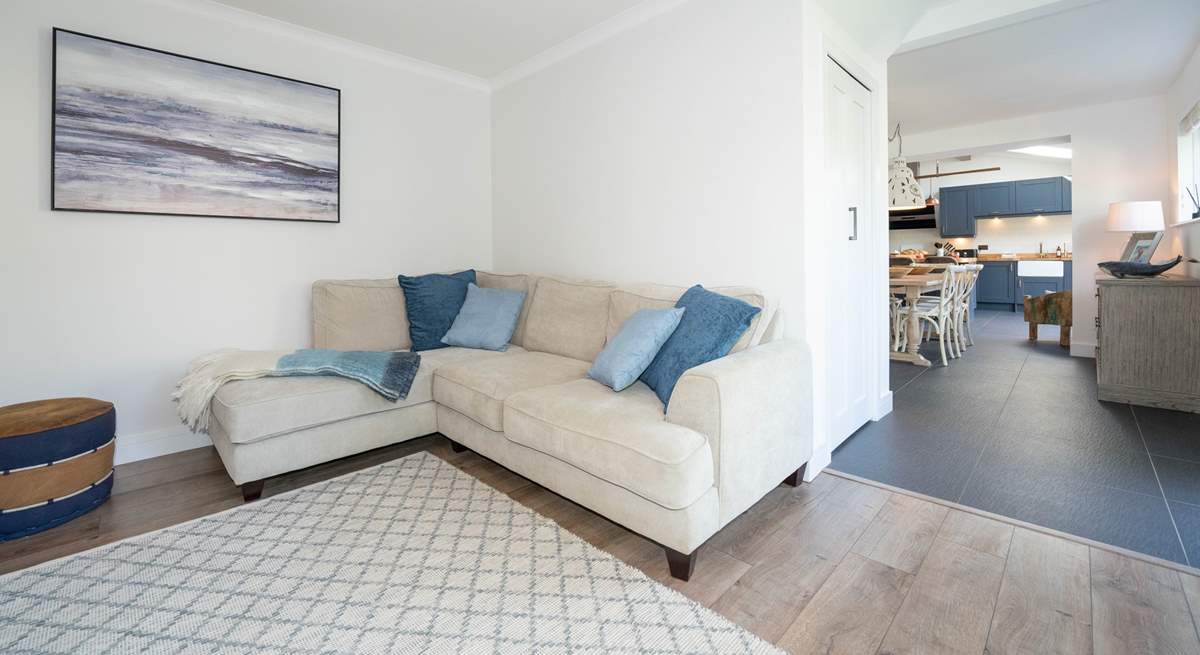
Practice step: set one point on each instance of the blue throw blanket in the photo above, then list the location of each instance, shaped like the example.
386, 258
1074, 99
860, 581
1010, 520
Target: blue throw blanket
389, 374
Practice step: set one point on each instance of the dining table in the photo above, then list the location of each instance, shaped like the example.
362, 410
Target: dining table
912, 286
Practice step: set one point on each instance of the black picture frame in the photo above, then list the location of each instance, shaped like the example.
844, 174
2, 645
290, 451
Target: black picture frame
54, 132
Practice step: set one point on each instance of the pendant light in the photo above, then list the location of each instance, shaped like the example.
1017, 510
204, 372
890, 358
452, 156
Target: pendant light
932, 201
903, 190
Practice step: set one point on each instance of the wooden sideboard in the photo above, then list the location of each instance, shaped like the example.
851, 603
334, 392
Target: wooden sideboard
1148, 341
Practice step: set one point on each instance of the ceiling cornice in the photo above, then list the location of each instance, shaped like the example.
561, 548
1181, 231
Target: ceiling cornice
592, 36
214, 9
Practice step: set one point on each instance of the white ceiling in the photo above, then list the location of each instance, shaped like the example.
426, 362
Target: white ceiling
1108, 50
879, 32
479, 38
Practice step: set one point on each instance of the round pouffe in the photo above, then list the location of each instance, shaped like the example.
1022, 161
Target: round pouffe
56, 462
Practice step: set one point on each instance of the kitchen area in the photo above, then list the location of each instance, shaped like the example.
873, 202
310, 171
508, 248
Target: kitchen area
1008, 212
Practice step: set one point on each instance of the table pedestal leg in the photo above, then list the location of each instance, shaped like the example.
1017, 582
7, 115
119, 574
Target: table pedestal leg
913, 353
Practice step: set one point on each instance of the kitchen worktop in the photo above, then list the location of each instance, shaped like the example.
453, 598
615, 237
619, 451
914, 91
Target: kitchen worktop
1017, 257
1025, 257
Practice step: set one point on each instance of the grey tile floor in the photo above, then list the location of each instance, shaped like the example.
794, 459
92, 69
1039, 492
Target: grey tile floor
1014, 428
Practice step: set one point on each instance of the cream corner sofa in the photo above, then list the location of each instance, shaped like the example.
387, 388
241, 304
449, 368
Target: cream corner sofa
734, 428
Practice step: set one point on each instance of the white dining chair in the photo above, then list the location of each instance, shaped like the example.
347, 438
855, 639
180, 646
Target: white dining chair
961, 322
899, 328
936, 313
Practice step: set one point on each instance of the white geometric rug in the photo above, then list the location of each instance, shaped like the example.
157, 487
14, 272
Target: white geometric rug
412, 556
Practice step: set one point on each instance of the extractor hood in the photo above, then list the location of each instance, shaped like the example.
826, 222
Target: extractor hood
922, 218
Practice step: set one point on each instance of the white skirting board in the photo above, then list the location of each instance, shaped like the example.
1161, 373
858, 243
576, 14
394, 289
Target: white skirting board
883, 406
1083, 350
144, 445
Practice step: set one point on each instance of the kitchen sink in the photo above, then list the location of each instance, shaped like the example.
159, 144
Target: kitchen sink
1039, 268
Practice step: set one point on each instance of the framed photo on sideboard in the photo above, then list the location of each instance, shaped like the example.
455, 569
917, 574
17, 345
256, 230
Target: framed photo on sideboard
1141, 247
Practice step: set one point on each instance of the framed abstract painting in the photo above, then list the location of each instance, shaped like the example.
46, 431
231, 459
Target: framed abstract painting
142, 131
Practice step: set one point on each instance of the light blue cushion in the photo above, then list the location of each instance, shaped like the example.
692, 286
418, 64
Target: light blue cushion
487, 319
634, 347
712, 325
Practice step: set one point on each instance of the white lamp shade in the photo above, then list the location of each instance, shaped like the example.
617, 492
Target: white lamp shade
903, 190
1135, 216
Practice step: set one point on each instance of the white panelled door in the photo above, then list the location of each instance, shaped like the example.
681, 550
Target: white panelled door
848, 316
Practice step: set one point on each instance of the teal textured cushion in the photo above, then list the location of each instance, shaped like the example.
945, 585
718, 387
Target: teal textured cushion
432, 302
634, 347
487, 319
712, 325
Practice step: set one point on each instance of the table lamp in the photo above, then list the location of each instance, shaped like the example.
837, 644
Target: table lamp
1144, 218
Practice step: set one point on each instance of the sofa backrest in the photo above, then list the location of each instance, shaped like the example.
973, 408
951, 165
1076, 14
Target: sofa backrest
572, 318
628, 299
359, 315
568, 318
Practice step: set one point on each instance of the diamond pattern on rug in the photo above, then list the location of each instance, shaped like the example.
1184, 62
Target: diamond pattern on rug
412, 556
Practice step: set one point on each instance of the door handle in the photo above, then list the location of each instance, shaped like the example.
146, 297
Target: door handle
854, 217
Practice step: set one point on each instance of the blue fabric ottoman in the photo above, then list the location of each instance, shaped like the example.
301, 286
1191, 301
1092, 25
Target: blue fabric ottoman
56, 462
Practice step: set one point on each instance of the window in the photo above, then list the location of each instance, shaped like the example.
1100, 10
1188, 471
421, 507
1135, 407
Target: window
1189, 165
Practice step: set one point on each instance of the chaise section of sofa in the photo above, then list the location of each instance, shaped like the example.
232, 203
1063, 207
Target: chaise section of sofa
734, 429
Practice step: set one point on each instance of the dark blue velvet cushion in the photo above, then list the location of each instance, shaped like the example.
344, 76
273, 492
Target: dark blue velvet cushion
432, 302
707, 331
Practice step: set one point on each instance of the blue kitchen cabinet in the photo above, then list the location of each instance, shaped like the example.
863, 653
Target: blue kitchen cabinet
1067, 275
1066, 196
994, 199
956, 217
997, 283
1036, 286
1041, 196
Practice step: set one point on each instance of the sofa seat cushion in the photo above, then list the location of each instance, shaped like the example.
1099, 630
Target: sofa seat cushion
252, 410
622, 438
478, 389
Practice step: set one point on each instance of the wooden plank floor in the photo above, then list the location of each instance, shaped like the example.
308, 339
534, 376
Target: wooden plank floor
833, 566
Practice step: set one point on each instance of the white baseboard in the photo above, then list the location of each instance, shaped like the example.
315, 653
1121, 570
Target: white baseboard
144, 445
1083, 349
820, 459
883, 406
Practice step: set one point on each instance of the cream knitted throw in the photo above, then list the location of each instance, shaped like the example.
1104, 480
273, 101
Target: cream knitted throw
206, 374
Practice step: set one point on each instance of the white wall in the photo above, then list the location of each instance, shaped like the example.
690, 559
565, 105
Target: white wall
1012, 167
1001, 235
1024, 233
1120, 153
670, 152
1183, 94
689, 148
114, 306
853, 40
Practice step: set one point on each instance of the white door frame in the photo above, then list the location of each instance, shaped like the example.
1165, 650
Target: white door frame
820, 43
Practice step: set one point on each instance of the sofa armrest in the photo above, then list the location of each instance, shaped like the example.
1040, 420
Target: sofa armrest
755, 407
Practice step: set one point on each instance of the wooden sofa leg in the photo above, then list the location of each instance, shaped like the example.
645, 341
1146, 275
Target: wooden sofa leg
797, 477
457, 447
252, 491
681, 565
